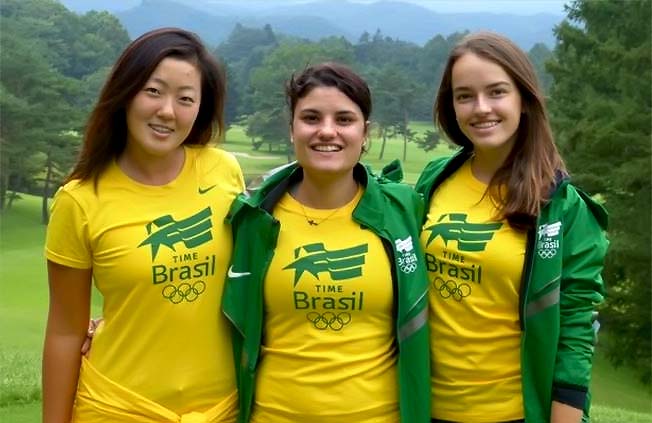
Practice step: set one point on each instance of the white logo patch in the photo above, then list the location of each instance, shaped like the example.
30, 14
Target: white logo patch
404, 245
407, 261
230, 273
548, 240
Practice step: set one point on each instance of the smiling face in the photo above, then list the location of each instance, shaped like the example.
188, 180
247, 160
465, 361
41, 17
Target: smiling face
161, 115
328, 131
487, 104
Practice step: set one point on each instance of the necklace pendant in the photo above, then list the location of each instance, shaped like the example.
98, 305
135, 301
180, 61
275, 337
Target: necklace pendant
312, 222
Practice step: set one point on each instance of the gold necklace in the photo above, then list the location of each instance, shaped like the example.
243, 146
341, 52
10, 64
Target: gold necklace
312, 222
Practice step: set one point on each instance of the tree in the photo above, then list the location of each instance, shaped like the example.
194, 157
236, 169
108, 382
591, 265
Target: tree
34, 108
429, 140
539, 54
393, 95
429, 70
51, 59
602, 111
269, 122
244, 50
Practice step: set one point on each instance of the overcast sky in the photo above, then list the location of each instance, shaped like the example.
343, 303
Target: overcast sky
521, 7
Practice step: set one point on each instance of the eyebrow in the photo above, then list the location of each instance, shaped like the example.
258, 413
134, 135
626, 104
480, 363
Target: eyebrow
162, 82
339, 112
494, 85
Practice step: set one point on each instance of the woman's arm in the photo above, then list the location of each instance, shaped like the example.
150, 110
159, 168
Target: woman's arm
70, 293
562, 413
582, 289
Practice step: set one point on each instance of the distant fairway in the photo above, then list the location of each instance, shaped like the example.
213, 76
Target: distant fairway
617, 395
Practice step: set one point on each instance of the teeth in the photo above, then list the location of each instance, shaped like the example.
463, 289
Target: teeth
327, 147
485, 124
159, 128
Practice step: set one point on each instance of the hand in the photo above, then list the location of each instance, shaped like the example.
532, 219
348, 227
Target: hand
92, 326
563, 413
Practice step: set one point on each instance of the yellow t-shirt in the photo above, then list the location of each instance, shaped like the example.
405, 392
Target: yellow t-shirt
159, 255
328, 352
474, 267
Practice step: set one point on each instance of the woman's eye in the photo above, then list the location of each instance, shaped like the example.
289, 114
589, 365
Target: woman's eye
496, 92
345, 120
310, 118
187, 100
152, 90
462, 97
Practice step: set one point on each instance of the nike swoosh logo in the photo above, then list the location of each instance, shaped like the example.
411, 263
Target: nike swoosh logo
205, 190
233, 274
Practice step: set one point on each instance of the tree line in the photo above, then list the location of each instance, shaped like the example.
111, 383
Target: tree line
598, 78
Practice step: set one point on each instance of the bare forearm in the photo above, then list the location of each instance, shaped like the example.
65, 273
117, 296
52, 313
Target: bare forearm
66, 331
562, 413
61, 362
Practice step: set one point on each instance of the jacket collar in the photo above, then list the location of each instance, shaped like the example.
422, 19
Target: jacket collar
439, 171
266, 192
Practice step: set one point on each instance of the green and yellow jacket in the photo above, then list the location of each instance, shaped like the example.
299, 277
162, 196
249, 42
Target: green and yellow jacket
390, 210
561, 286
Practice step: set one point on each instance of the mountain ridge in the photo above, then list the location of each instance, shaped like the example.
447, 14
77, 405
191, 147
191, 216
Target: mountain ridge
213, 21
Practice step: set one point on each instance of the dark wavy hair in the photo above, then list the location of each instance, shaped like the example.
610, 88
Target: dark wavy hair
105, 137
329, 74
532, 168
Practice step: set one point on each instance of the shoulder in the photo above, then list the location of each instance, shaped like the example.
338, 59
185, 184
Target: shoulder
431, 171
76, 192
573, 202
213, 162
214, 156
399, 191
72, 205
395, 199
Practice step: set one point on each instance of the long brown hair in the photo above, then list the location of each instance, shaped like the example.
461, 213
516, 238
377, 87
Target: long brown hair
105, 137
532, 168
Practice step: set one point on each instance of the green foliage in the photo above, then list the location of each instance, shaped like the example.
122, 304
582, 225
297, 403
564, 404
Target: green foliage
429, 140
242, 40
602, 111
269, 121
52, 63
539, 54
242, 51
75, 45
393, 97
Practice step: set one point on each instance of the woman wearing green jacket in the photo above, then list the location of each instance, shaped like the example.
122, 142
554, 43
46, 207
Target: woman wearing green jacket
327, 286
514, 252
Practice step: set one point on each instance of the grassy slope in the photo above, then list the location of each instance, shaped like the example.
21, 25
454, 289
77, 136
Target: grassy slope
618, 397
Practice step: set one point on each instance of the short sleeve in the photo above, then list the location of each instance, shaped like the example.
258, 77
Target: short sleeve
67, 240
238, 177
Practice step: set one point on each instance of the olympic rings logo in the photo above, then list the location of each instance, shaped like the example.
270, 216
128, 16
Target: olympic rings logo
547, 253
329, 320
184, 291
449, 288
408, 263
409, 268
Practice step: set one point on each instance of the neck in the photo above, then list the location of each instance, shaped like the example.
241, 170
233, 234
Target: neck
325, 193
485, 164
152, 170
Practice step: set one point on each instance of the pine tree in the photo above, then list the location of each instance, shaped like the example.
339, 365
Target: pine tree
601, 104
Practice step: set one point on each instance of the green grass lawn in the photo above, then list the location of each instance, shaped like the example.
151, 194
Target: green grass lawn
617, 395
